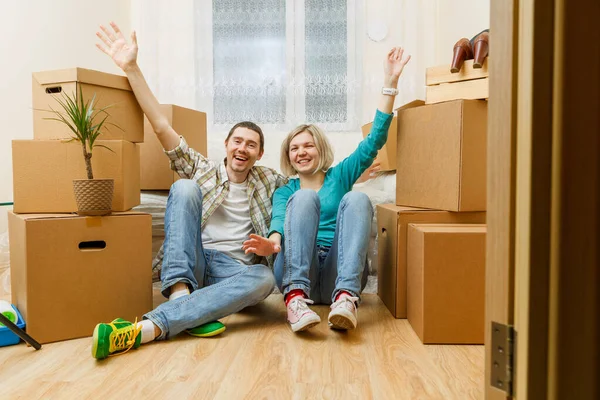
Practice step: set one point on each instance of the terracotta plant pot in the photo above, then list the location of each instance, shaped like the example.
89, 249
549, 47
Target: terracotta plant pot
94, 196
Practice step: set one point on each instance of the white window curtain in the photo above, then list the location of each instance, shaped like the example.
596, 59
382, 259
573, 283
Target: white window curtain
276, 62
283, 63
249, 64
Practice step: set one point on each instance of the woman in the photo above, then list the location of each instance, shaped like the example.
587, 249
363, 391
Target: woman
324, 225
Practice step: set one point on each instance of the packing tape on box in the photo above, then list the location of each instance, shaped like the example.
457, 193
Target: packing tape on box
8, 311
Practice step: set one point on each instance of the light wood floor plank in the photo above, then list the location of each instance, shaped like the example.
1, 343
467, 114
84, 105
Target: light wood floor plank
258, 357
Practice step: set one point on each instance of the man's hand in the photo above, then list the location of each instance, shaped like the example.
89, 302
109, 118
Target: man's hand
260, 246
369, 172
122, 53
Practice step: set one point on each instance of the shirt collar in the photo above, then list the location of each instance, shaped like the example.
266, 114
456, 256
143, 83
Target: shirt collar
252, 177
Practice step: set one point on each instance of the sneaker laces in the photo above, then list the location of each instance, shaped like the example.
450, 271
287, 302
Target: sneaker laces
343, 301
123, 338
299, 304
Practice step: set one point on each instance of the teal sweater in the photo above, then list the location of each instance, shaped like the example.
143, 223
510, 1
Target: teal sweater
338, 181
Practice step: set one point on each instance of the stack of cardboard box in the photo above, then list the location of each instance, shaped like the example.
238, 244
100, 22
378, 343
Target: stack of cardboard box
69, 272
156, 173
432, 241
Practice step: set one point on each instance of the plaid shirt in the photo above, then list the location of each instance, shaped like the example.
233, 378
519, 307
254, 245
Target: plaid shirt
214, 183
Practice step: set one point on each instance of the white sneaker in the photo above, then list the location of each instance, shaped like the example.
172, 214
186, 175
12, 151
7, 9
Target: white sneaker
300, 316
343, 314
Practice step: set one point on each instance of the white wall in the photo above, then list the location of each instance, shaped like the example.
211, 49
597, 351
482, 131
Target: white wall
40, 35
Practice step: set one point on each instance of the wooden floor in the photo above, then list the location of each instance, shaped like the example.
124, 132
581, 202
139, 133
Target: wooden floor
258, 357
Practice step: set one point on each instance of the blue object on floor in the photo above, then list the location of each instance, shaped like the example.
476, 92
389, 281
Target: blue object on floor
7, 337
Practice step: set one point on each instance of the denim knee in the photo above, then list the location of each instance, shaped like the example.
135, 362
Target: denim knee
264, 280
186, 188
357, 201
305, 197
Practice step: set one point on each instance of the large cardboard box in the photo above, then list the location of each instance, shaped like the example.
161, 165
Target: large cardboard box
69, 273
156, 173
392, 226
446, 283
387, 155
442, 156
110, 89
43, 173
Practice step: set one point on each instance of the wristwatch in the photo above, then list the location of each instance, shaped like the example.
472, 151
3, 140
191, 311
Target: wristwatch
389, 91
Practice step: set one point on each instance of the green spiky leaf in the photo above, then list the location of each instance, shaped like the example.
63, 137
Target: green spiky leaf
84, 121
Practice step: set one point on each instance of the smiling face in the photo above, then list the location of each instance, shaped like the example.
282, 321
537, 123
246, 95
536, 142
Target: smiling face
303, 153
243, 150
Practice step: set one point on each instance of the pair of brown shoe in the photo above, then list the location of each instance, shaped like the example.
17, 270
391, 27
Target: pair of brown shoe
476, 49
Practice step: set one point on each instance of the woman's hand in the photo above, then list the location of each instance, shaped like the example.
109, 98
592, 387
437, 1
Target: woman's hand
394, 65
260, 246
122, 53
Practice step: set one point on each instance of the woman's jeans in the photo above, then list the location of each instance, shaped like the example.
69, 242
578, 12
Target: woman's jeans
320, 272
219, 285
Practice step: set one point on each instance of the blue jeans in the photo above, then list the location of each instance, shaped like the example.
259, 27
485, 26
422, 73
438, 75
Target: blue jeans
322, 272
219, 285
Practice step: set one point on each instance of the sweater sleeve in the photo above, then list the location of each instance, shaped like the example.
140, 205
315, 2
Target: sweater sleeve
352, 167
280, 199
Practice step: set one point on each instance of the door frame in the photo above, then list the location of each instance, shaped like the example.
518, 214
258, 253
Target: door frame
544, 194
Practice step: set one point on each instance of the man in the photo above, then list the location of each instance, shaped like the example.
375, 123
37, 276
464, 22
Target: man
206, 274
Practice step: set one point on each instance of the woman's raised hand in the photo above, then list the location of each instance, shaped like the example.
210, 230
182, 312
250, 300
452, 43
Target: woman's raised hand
394, 63
115, 45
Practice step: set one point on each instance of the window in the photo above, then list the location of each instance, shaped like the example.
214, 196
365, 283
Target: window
284, 63
249, 61
326, 62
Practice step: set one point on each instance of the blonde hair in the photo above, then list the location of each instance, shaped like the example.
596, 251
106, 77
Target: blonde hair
321, 143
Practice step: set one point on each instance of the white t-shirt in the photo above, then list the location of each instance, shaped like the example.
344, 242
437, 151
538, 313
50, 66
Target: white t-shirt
230, 224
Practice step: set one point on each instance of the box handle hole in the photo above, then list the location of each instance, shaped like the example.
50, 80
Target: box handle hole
92, 245
54, 90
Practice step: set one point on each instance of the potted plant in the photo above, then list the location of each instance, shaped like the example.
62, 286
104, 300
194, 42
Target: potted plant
93, 196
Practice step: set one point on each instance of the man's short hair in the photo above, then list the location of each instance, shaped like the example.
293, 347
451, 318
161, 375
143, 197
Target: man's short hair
253, 127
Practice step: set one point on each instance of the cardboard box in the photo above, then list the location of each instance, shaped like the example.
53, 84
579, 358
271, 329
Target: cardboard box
43, 173
392, 226
156, 172
469, 83
69, 273
467, 90
110, 89
446, 283
387, 155
442, 152
441, 73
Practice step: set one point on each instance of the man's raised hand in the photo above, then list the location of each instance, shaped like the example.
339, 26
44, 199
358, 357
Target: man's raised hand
115, 45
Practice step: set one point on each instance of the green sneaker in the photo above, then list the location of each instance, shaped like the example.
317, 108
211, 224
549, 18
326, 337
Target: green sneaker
115, 337
207, 330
